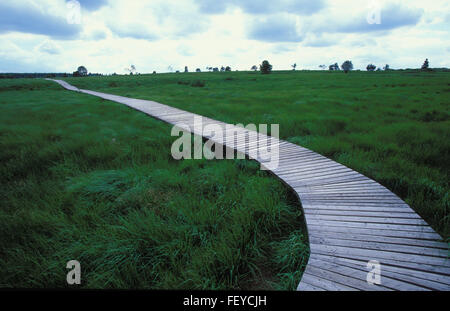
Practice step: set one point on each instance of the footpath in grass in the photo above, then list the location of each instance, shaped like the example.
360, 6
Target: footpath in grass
391, 126
90, 180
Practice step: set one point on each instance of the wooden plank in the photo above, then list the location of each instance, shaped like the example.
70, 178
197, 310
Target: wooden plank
381, 239
304, 168
318, 227
346, 195
323, 177
322, 181
365, 219
315, 172
391, 277
361, 204
341, 278
360, 274
358, 213
344, 208
313, 279
411, 228
440, 264
305, 287
361, 191
354, 201
406, 249
338, 181
421, 278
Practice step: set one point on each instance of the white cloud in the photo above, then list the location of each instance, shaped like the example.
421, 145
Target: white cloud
49, 47
153, 35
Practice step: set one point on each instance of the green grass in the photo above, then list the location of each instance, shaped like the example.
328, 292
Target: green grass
391, 126
90, 180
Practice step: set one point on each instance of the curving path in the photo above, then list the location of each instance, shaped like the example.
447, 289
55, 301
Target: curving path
351, 219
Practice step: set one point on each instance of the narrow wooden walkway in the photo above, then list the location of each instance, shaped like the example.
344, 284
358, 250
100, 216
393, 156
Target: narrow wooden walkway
351, 219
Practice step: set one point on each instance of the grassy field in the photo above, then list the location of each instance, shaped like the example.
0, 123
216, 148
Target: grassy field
90, 180
391, 126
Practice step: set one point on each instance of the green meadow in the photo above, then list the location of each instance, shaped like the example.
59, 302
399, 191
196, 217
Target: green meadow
392, 126
92, 180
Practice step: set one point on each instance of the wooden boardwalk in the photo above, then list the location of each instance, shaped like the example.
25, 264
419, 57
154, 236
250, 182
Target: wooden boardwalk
351, 219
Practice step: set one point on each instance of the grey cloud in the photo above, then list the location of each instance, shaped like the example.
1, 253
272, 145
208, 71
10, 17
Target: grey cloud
29, 19
97, 35
212, 6
318, 42
262, 6
92, 5
176, 23
274, 29
393, 16
189, 27
447, 18
136, 31
282, 48
18, 65
49, 48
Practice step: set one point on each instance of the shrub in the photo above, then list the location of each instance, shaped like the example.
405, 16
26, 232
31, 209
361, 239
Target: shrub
371, 67
334, 67
198, 83
265, 67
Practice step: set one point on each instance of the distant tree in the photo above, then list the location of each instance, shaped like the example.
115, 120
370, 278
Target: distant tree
177, 71
227, 68
294, 66
82, 71
254, 68
426, 65
198, 70
154, 72
371, 67
347, 66
170, 68
215, 69
186, 69
265, 67
334, 67
222, 68
323, 67
386, 68
131, 70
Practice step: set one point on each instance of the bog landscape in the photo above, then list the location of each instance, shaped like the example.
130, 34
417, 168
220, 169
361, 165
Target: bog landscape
363, 177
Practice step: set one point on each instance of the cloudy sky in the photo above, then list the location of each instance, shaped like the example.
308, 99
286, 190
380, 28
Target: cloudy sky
109, 35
